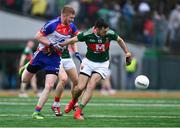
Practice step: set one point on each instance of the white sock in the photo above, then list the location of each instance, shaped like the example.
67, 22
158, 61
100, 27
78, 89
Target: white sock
56, 104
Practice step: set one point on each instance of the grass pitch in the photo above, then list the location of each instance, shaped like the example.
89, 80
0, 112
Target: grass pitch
125, 109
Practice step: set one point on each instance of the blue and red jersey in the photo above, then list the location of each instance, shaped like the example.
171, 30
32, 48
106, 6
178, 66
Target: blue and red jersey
57, 32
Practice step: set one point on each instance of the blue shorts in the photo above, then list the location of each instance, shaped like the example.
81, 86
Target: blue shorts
48, 63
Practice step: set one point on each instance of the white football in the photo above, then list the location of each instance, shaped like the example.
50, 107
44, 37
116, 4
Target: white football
141, 82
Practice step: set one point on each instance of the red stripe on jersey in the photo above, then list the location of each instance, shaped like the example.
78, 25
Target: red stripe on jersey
42, 33
29, 57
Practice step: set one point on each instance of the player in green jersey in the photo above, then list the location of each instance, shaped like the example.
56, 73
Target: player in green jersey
95, 65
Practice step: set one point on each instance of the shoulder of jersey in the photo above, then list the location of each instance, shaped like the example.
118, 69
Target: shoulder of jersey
88, 32
110, 32
57, 19
72, 24
27, 50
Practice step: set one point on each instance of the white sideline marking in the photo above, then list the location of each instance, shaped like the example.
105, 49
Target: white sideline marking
100, 104
95, 100
102, 101
91, 116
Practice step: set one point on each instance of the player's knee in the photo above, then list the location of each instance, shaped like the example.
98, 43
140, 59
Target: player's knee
25, 80
48, 87
63, 82
64, 79
79, 88
75, 82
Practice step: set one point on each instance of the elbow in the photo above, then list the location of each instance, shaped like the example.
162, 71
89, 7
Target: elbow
37, 36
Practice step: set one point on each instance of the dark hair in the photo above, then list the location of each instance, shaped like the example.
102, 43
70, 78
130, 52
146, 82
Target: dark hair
67, 9
100, 23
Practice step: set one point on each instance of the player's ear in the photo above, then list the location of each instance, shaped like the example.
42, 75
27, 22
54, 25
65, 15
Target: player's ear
97, 30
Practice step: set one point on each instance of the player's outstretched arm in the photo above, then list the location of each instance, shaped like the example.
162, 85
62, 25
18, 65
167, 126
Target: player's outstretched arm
69, 41
122, 45
125, 49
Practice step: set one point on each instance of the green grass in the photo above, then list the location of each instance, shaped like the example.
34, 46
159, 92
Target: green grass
100, 112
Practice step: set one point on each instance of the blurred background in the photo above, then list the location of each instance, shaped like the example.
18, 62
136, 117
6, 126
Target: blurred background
151, 29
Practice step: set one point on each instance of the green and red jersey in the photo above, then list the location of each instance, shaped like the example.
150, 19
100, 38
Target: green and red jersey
97, 47
65, 53
28, 53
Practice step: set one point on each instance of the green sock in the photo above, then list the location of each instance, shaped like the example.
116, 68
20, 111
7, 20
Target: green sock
81, 105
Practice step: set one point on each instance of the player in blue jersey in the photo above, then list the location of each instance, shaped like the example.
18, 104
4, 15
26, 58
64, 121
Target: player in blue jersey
47, 56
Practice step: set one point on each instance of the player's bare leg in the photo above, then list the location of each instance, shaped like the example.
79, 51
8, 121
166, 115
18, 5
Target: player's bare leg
58, 92
49, 83
34, 86
77, 91
95, 78
25, 79
22, 92
26, 76
73, 75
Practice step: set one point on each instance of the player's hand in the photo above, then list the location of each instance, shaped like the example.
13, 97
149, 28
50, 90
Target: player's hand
52, 47
56, 48
62, 44
128, 58
78, 56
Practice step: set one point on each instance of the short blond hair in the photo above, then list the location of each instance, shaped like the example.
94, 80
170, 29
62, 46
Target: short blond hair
67, 9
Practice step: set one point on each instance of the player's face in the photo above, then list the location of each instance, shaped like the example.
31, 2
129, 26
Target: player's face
30, 44
69, 18
103, 31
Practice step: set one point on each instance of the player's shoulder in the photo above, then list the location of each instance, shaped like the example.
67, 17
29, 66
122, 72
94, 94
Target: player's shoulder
111, 32
57, 19
26, 50
72, 25
51, 24
88, 32
54, 21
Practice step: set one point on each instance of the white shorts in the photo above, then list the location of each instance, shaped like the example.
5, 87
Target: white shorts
88, 67
67, 64
109, 73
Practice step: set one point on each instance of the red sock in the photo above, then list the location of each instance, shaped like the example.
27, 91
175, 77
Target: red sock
56, 99
37, 108
74, 101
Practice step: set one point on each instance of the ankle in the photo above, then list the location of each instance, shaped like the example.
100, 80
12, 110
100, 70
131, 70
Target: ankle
38, 109
56, 99
81, 105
